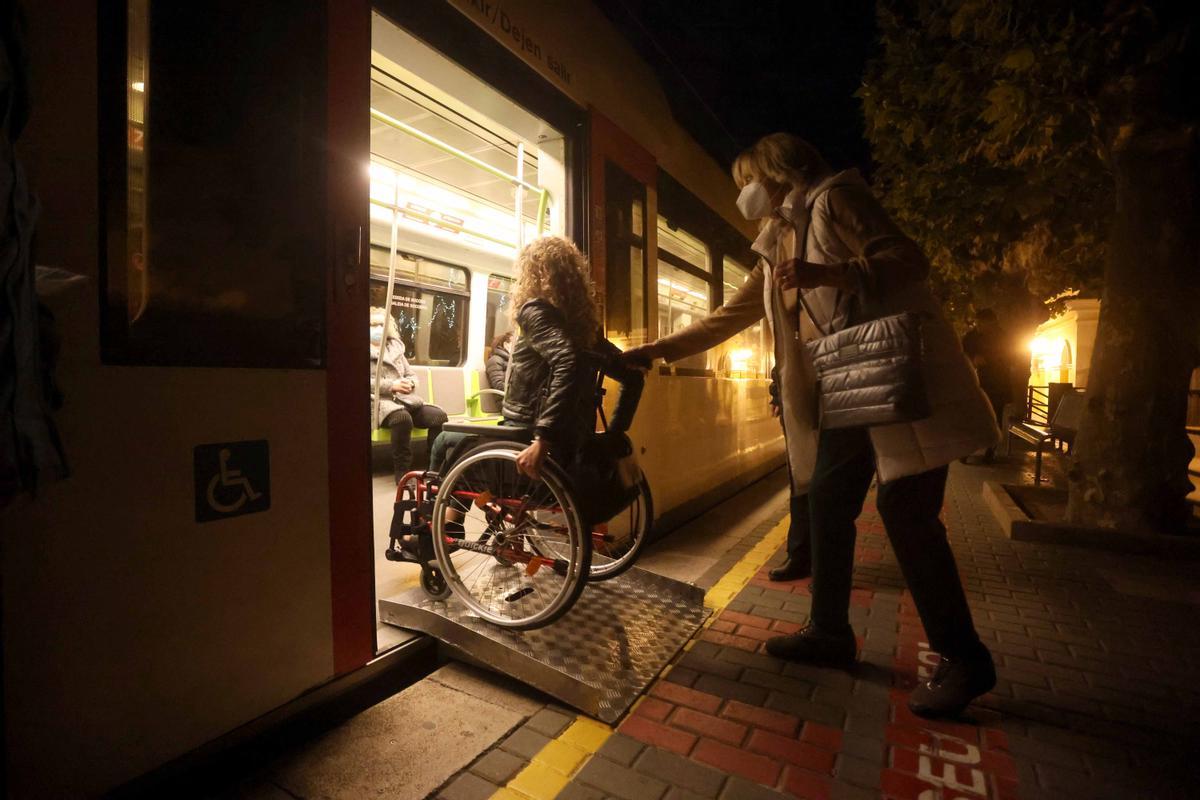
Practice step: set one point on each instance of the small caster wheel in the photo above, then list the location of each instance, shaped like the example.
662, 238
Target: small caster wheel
434, 582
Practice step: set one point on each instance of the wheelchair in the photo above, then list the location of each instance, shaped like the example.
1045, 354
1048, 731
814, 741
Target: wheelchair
517, 551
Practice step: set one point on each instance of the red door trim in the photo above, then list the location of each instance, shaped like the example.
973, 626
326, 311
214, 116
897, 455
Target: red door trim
352, 571
607, 142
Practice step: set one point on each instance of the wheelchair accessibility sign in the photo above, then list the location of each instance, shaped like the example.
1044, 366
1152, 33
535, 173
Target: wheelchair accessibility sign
231, 479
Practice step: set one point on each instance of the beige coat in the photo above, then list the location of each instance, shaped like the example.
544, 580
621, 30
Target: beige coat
848, 226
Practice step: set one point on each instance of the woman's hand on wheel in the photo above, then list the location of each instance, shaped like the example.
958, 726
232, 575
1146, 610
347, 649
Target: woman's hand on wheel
529, 460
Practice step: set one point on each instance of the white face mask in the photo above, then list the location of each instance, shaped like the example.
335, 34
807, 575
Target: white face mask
754, 201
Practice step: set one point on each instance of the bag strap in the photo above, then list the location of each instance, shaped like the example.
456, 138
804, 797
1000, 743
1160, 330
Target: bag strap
803, 303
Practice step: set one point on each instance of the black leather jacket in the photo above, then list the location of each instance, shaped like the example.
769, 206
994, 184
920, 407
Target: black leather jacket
552, 382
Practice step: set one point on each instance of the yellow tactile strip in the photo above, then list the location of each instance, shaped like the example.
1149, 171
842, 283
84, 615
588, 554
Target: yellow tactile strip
552, 768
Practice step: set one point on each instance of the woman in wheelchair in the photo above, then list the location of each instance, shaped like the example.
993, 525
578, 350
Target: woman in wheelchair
550, 392
521, 515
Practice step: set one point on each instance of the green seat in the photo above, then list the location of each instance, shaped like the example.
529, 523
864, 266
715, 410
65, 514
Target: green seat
473, 406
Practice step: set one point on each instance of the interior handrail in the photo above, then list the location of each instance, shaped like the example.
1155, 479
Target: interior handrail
451, 150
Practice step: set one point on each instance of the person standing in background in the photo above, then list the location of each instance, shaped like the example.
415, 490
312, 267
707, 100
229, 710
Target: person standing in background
987, 345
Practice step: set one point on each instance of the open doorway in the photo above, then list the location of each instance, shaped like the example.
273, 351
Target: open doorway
461, 177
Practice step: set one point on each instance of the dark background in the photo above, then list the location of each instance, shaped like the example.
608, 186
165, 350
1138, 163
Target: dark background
735, 71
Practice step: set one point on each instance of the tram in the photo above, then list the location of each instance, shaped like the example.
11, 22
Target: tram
243, 185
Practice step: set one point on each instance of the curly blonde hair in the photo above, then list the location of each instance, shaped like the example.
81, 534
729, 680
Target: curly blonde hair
553, 269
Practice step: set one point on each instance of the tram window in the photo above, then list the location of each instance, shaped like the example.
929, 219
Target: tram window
429, 306
683, 245
741, 356
684, 285
214, 246
432, 324
498, 321
683, 298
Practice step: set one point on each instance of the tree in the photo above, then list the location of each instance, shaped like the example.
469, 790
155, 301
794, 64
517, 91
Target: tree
1050, 146
979, 117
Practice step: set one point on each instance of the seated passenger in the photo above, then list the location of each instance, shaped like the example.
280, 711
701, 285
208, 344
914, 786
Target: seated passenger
400, 407
556, 359
497, 362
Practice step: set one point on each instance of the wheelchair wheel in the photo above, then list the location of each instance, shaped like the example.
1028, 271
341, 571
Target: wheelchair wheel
617, 544
523, 556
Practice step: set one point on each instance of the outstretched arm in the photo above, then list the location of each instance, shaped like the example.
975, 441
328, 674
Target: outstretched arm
743, 310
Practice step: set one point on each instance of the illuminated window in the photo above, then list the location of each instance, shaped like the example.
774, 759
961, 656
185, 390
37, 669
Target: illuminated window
498, 321
429, 308
743, 355
684, 285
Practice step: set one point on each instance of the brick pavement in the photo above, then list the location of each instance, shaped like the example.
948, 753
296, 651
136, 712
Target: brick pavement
1096, 696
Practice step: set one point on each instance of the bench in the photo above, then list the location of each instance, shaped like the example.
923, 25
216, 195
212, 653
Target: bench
1062, 428
457, 392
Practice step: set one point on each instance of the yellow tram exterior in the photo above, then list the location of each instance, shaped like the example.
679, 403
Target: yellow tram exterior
134, 633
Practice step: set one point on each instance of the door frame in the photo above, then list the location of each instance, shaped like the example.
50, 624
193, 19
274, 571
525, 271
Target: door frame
442, 27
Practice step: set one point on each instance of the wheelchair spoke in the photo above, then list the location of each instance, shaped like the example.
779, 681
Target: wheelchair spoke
523, 554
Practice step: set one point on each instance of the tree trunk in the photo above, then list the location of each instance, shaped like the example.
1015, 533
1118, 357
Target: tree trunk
1129, 466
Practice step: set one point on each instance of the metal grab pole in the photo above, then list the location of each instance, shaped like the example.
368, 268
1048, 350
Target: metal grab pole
520, 199
387, 307
543, 205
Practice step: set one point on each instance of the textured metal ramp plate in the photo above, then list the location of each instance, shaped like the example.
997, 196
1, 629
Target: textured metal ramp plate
598, 658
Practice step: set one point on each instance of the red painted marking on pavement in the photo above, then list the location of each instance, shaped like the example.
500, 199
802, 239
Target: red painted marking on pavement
936, 760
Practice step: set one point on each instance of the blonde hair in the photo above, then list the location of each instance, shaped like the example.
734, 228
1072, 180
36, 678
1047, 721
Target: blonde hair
782, 158
553, 269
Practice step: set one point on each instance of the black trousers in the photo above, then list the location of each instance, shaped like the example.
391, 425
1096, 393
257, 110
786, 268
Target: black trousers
401, 422
799, 545
910, 508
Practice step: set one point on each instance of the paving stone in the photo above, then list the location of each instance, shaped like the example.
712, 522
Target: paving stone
679, 771
710, 664
778, 683
870, 726
549, 722
738, 788
621, 749
468, 787
754, 660
618, 781
682, 675
839, 790
579, 791
858, 771
676, 793
732, 690
742, 606
864, 747
829, 715
525, 743
498, 766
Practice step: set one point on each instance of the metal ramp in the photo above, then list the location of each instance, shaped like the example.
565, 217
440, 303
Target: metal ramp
598, 658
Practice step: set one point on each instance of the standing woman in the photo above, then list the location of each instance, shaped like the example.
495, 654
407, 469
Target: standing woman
826, 235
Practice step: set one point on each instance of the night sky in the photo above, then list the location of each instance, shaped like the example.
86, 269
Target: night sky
737, 70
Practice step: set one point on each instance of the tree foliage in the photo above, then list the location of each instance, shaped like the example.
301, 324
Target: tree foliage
982, 116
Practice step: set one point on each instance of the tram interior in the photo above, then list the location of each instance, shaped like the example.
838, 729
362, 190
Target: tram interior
461, 178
